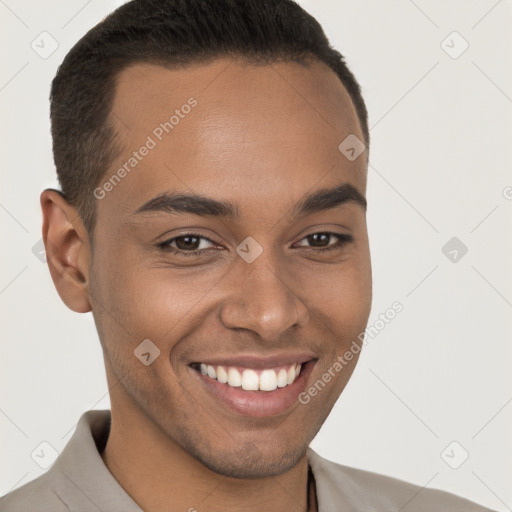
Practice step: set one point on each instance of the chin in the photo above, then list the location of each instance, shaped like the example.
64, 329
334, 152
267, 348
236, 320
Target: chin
248, 461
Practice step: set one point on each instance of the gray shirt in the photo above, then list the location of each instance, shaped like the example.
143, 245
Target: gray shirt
79, 481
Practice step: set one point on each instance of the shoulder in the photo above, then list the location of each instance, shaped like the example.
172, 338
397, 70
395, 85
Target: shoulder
39, 494
357, 489
56, 490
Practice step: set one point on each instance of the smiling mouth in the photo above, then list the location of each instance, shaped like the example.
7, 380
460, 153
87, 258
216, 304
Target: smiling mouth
254, 386
251, 379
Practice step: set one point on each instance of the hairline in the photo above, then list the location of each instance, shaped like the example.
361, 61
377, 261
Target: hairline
114, 137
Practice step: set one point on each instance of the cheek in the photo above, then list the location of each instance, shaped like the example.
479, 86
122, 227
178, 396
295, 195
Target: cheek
163, 301
354, 296
342, 293
344, 304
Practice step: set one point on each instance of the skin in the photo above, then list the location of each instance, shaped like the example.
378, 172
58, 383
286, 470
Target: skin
261, 137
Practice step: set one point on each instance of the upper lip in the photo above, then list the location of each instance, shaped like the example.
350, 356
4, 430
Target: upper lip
255, 361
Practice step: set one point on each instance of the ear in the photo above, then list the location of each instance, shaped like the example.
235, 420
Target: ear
67, 250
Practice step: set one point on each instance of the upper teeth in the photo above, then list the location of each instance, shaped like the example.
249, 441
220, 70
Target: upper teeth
264, 380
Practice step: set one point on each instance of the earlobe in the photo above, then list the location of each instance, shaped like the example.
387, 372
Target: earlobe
67, 250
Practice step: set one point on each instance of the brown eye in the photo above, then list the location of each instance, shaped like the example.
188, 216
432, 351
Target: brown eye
320, 241
189, 244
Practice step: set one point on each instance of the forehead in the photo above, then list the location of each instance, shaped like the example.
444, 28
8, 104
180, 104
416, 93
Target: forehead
231, 129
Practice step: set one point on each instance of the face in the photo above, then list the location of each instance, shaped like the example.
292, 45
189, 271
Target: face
246, 290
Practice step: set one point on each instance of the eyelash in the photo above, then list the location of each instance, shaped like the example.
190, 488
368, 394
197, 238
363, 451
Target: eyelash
343, 239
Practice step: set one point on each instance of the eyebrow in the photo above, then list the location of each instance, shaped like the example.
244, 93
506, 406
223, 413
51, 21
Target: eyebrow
320, 200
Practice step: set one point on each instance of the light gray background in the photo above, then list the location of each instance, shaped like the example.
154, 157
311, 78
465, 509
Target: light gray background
440, 168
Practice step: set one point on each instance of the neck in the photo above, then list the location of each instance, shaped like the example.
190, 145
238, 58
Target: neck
162, 477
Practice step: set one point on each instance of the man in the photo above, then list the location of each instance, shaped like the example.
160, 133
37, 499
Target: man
213, 163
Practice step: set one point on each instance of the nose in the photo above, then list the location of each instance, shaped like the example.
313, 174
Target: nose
261, 299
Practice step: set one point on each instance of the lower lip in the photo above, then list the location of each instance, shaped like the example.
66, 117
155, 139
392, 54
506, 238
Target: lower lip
257, 404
